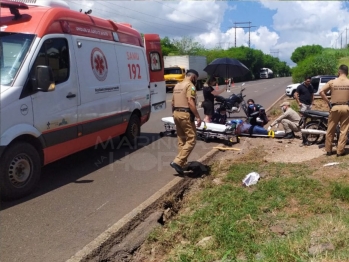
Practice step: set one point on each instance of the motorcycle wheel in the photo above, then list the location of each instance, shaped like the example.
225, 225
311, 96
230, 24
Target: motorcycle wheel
312, 138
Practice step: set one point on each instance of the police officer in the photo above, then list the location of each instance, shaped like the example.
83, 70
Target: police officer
184, 114
289, 120
339, 110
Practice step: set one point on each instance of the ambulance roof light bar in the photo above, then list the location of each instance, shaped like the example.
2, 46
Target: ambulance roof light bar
50, 3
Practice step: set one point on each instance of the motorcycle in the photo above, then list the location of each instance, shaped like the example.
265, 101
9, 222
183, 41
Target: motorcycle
233, 104
236, 102
313, 126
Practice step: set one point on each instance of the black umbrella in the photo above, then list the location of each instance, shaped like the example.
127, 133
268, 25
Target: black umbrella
226, 68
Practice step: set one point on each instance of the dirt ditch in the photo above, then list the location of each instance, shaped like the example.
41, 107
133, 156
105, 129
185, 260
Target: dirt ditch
128, 245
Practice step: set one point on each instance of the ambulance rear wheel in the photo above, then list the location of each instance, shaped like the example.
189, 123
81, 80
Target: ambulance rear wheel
20, 168
133, 130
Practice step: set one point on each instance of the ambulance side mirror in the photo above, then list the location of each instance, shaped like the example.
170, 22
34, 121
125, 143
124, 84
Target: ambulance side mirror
44, 79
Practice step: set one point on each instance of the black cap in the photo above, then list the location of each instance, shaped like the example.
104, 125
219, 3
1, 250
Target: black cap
193, 71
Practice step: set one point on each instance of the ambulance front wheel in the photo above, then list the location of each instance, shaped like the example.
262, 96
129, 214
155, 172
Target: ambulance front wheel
133, 130
20, 168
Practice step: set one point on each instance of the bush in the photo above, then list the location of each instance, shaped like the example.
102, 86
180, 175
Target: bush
324, 64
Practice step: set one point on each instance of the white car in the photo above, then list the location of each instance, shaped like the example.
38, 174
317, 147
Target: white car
291, 89
316, 81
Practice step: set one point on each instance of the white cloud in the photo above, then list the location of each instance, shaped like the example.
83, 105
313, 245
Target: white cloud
295, 23
307, 23
263, 39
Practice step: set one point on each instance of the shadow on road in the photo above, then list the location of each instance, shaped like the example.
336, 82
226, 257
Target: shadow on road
73, 168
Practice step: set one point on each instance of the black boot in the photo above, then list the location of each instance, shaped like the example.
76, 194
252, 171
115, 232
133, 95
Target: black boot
289, 135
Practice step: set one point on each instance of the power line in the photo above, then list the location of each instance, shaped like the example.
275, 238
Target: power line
274, 51
249, 31
116, 13
138, 19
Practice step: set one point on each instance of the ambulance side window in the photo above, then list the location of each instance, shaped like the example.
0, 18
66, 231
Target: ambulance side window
54, 52
155, 62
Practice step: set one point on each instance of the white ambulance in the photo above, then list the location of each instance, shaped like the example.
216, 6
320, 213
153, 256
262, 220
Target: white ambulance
69, 81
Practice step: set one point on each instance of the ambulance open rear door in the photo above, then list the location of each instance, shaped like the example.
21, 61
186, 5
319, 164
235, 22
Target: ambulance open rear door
156, 72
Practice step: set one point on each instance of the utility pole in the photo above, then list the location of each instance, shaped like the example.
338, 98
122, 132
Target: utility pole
274, 51
249, 31
341, 40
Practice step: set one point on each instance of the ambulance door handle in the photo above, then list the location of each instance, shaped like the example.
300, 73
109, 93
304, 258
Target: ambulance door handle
70, 95
156, 85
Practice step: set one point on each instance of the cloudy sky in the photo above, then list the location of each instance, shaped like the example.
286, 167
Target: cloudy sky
275, 27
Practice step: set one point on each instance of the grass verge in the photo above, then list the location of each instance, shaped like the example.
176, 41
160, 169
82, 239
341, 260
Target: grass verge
296, 212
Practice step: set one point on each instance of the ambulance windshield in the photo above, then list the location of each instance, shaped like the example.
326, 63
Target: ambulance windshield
13, 50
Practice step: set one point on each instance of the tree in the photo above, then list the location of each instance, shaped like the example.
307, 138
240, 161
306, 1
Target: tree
251, 58
303, 52
324, 64
167, 47
187, 46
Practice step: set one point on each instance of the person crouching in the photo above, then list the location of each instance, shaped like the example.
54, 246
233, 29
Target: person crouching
289, 120
220, 116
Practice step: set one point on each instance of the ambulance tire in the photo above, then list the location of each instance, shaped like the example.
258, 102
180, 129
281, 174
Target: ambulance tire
133, 130
21, 158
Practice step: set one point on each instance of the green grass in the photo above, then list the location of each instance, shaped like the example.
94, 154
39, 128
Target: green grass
276, 110
239, 219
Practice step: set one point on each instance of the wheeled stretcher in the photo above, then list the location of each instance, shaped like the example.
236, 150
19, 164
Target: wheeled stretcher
206, 131
217, 131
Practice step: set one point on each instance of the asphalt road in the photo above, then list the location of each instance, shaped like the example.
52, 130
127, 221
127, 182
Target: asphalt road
82, 195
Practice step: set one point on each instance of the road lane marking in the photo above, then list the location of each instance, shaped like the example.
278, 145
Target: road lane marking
102, 205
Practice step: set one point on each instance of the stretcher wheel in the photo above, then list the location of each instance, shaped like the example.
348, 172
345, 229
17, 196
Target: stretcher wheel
161, 134
229, 143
